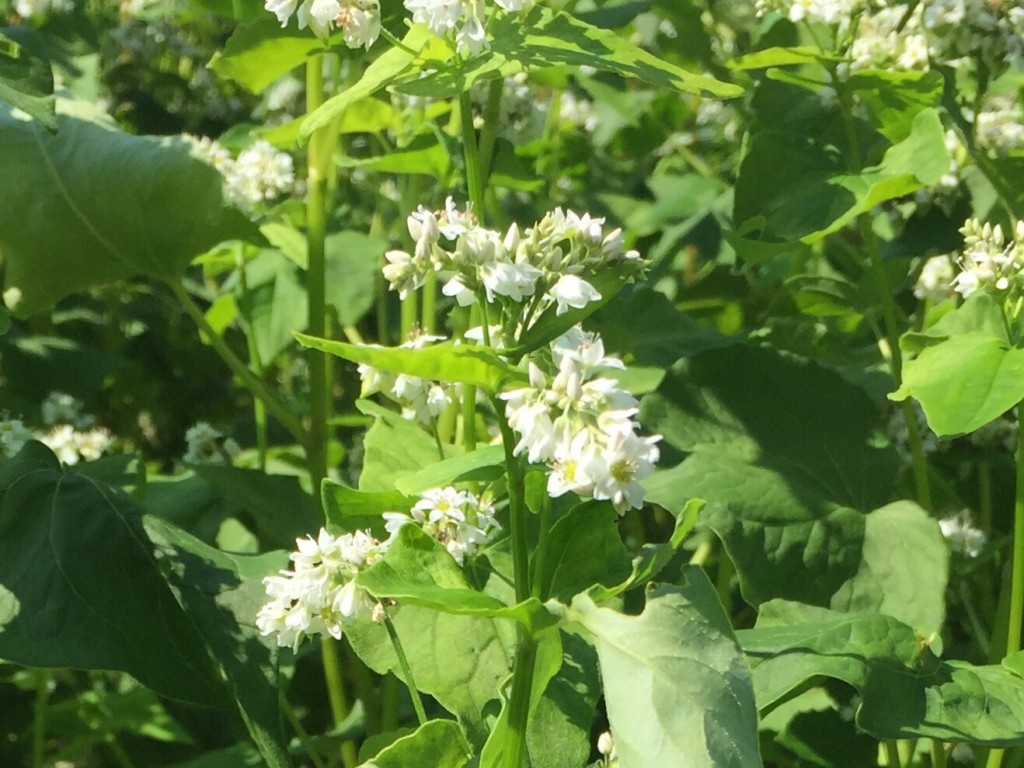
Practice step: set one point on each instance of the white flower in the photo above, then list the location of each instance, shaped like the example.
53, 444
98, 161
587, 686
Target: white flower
206, 445
72, 446
403, 273
319, 595
260, 174
935, 281
29, 8
627, 459
516, 281
572, 291
359, 21
283, 9
459, 520
13, 437
961, 534
988, 261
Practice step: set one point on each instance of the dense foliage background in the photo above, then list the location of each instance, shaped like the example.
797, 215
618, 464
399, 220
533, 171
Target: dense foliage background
197, 202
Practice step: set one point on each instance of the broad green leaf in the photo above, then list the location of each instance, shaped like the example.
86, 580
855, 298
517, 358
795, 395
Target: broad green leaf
92, 205
919, 160
906, 691
463, 363
279, 510
483, 464
222, 594
26, 79
782, 57
80, 585
582, 549
903, 569
980, 313
461, 661
964, 382
786, 479
423, 156
417, 570
393, 447
273, 301
348, 509
353, 263
824, 296
676, 687
383, 71
894, 99
437, 743
260, 51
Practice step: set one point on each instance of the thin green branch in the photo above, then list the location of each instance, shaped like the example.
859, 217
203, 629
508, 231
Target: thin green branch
253, 383
410, 682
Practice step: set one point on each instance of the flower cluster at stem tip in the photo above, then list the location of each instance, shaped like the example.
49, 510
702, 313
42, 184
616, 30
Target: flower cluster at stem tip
989, 261
359, 20
319, 595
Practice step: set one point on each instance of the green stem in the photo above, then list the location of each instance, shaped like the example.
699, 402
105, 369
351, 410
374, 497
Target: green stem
516, 507
428, 313
259, 410
300, 731
390, 687
892, 753
410, 682
39, 722
252, 382
519, 699
1016, 619
489, 135
938, 754
408, 316
474, 174
336, 694
318, 163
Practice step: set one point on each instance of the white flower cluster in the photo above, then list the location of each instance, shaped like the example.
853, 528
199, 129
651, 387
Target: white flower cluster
582, 424
544, 265
827, 11
318, 596
29, 8
13, 437
358, 20
460, 520
933, 284
71, 445
465, 19
961, 534
260, 173
206, 445
62, 408
421, 400
887, 38
606, 748
988, 260
1000, 125
991, 32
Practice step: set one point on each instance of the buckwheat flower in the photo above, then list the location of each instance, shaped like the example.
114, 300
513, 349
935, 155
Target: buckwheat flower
935, 281
572, 291
359, 21
961, 534
72, 446
627, 459
29, 8
403, 273
459, 520
318, 595
576, 467
13, 436
606, 748
988, 260
260, 174
440, 16
206, 445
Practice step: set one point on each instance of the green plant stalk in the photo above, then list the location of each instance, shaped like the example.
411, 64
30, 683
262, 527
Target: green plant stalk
39, 718
300, 731
318, 162
409, 316
892, 753
336, 694
428, 312
259, 410
938, 754
489, 134
474, 171
253, 383
410, 682
1016, 619
526, 649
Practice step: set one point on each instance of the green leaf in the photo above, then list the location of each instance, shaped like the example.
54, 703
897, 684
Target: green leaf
279, 509
782, 57
964, 382
393, 447
383, 71
676, 687
476, 365
260, 51
903, 569
348, 509
92, 205
80, 586
274, 301
583, 549
417, 570
483, 464
26, 79
424, 155
894, 99
786, 479
437, 743
353, 263
222, 594
906, 691
980, 313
